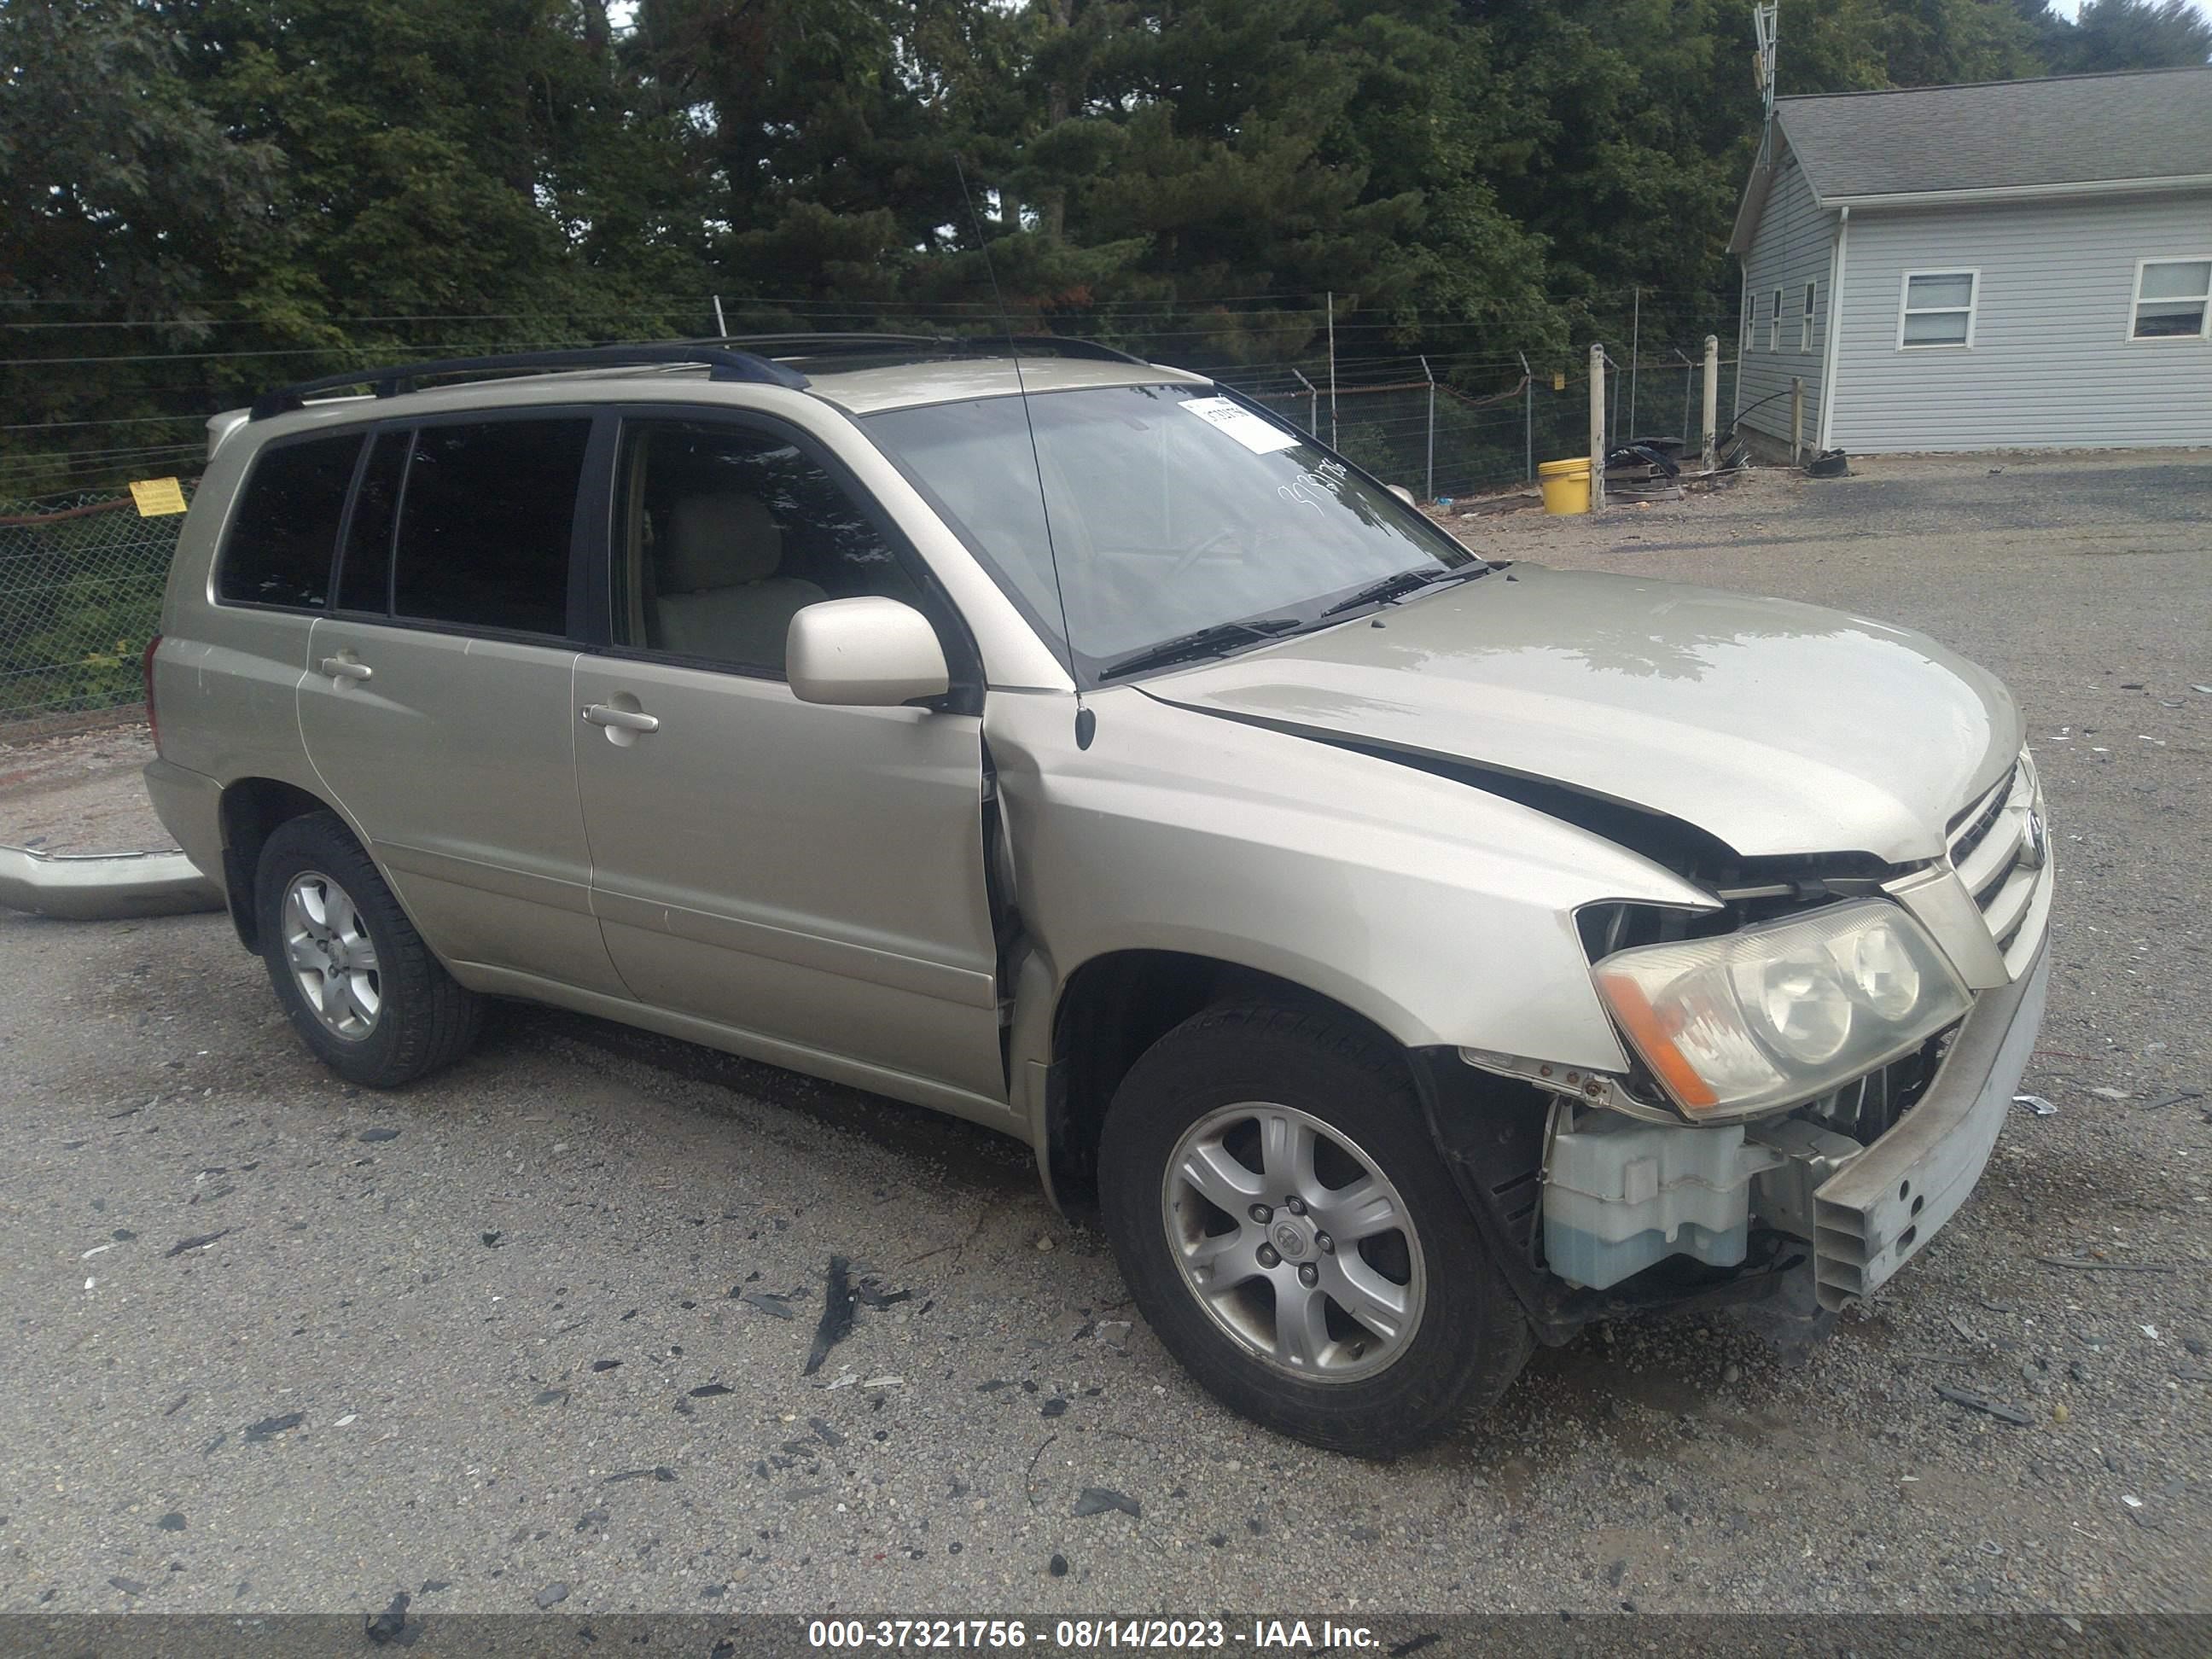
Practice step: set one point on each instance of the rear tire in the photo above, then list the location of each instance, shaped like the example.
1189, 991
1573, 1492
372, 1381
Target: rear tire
354, 977
1374, 1338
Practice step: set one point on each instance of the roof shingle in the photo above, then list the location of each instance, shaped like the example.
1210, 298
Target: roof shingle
2004, 134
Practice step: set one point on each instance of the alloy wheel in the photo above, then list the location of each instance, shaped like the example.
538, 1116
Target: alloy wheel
1294, 1241
332, 958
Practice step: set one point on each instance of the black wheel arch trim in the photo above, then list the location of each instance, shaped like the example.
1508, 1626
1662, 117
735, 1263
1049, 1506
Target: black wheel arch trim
1489, 1131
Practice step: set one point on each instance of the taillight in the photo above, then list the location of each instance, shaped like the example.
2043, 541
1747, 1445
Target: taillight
146, 668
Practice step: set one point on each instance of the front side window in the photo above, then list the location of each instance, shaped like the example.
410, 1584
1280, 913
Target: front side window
2174, 300
724, 532
285, 531
486, 518
1172, 511
1938, 309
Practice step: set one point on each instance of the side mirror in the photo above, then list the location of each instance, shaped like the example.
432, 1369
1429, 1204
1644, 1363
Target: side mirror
867, 653
1404, 495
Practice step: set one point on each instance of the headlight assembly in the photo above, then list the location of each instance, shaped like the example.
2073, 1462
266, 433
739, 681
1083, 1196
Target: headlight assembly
1782, 1012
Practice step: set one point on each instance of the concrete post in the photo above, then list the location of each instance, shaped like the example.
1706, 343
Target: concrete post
1597, 428
1712, 401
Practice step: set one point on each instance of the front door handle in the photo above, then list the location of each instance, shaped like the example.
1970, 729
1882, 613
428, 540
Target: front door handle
346, 668
623, 719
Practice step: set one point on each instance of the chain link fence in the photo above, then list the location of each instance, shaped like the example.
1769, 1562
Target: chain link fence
1443, 440
81, 580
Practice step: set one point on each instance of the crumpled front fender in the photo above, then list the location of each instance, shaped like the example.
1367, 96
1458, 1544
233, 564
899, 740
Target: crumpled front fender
1443, 915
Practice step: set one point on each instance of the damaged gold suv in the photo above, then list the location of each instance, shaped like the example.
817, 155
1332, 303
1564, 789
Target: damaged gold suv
1408, 958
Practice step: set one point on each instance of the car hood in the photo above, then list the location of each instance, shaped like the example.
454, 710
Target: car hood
1779, 728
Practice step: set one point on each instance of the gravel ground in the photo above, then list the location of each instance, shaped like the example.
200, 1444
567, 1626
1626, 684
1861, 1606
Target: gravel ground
542, 1322
80, 794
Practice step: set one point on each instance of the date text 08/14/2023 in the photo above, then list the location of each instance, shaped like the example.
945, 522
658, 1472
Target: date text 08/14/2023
1087, 1635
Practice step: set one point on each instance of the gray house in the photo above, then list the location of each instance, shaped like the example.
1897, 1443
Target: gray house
2016, 265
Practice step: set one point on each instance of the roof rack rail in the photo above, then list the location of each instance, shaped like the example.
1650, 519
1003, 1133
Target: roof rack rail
816, 345
720, 363
824, 344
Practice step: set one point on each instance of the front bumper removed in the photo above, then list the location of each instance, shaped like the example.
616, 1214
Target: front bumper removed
1871, 1218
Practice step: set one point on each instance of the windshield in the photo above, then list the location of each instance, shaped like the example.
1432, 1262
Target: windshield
1174, 510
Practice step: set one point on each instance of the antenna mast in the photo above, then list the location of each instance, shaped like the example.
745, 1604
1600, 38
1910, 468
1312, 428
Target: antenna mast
1766, 23
1086, 721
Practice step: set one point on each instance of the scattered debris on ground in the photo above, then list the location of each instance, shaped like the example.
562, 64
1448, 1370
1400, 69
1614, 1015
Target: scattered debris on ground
1098, 1500
838, 1304
1982, 1402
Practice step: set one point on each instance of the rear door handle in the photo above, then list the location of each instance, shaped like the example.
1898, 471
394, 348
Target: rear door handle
344, 668
600, 713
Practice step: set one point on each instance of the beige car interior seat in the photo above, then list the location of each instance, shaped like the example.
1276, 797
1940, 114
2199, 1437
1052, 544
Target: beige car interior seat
717, 593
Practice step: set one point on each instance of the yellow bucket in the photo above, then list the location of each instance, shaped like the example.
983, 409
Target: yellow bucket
1566, 484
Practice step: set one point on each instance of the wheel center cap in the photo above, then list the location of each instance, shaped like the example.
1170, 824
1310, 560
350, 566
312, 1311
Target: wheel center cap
1289, 1238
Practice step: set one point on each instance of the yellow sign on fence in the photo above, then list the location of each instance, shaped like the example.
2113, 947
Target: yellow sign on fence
157, 496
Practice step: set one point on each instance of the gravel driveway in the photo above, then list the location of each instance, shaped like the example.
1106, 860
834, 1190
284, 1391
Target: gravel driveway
276, 1344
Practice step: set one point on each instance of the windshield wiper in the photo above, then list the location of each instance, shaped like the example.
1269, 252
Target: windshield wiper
1205, 642
1406, 581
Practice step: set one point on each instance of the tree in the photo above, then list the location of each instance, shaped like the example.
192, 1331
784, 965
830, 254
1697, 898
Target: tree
1182, 151
122, 201
813, 137
442, 163
1862, 45
2132, 34
115, 184
1628, 125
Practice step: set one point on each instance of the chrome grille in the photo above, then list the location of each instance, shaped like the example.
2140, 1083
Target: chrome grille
1999, 848
1974, 825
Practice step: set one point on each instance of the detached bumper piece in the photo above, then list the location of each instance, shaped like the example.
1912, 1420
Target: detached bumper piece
106, 887
1870, 1219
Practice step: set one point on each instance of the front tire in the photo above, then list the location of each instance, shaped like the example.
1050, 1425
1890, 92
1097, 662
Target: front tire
355, 978
1290, 1234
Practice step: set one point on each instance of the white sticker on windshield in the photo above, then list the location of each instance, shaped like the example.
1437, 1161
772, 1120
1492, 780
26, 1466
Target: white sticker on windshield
1228, 416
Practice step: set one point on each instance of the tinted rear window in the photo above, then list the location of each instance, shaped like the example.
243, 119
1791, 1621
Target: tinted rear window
485, 523
286, 528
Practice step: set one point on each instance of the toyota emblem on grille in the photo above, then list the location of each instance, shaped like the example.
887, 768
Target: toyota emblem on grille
2033, 851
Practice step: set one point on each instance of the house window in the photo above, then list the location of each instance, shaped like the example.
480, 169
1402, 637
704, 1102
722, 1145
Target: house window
1938, 308
1774, 324
2173, 299
1750, 319
1805, 322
